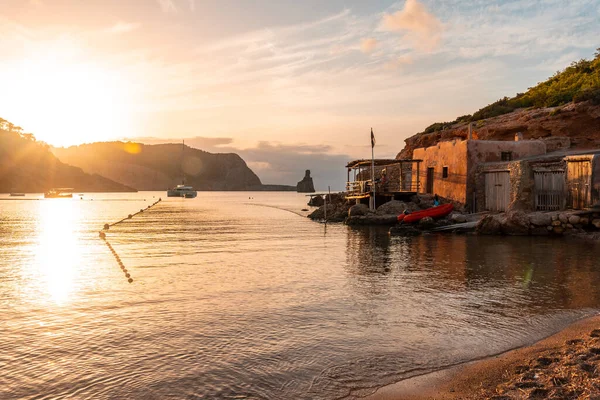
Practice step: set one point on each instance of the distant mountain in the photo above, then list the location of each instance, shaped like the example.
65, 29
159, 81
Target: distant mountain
160, 166
565, 105
27, 165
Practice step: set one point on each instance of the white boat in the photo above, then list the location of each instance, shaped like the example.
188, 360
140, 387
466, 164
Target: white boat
182, 191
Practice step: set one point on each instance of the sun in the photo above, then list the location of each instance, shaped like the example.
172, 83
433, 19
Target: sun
65, 100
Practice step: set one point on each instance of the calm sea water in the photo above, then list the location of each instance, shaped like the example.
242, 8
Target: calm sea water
243, 298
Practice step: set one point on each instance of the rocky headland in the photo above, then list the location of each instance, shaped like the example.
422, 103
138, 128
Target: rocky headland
157, 167
28, 166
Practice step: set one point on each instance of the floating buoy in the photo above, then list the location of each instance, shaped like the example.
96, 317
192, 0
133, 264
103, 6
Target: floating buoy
127, 275
102, 235
106, 227
129, 216
130, 280
141, 210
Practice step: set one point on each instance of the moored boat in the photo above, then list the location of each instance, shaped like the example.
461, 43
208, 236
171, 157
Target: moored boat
17, 194
187, 192
59, 193
433, 212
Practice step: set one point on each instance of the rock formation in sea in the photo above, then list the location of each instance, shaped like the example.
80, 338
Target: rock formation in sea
306, 185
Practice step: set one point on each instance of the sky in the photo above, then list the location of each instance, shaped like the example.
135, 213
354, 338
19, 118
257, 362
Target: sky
289, 85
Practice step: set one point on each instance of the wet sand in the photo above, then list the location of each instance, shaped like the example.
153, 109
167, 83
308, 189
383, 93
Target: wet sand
562, 366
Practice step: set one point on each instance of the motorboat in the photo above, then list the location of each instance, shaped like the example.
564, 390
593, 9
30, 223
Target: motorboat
182, 190
59, 193
187, 192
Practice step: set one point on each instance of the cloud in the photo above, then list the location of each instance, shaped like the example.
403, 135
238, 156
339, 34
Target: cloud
123, 27
423, 28
399, 62
173, 6
368, 45
167, 5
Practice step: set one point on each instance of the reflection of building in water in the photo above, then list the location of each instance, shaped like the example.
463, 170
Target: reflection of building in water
549, 275
368, 250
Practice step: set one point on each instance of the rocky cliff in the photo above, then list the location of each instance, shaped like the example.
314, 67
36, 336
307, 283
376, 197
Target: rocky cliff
306, 185
157, 167
580, 122
28, 166
564, 110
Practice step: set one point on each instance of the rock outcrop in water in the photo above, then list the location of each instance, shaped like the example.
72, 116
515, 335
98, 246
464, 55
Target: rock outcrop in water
306, 185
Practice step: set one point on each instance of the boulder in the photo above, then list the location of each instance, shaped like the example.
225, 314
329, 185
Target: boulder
392, 207
556, 223
559, 230
426, 223
574, 219
596, 223
540, 219
458, 218
584, 221
564, 218
516, 224
316, 201
319, 213
489, 225
358, 209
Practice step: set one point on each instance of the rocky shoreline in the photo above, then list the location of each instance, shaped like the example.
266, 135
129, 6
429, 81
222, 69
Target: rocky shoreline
584, 224
580, 224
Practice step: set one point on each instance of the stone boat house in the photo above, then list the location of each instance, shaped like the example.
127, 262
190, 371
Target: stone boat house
528, 175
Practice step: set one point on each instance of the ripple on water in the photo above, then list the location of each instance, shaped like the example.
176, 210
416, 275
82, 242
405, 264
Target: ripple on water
242, 299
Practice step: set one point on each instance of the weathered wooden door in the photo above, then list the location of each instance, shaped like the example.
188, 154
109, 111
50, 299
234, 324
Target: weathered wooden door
497, 190
579, 177
549, 190
430, 174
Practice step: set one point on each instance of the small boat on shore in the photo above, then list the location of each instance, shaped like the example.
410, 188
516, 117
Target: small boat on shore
59, 193
433, 212
17, 194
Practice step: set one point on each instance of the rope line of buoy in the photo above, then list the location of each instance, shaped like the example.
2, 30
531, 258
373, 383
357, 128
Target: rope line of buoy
102, 235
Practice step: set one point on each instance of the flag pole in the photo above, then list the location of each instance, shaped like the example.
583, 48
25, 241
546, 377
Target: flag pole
373, 168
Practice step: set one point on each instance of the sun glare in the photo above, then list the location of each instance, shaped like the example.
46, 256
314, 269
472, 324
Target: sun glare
65, 101
58, 254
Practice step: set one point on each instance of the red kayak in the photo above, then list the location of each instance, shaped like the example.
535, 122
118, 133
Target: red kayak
433, 212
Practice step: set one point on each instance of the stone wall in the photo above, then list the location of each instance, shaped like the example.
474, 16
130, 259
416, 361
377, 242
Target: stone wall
462, 159
452, 155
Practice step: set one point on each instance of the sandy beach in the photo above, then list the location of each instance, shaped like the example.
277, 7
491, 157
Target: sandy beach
562, 366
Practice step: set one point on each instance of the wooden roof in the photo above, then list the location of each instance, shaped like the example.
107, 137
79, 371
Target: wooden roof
378, 162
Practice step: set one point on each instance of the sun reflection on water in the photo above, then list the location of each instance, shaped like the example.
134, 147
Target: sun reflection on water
58, 251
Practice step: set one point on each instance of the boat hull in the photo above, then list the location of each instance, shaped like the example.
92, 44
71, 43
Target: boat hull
433, 212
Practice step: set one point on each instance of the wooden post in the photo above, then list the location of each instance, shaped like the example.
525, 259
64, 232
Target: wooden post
418, 184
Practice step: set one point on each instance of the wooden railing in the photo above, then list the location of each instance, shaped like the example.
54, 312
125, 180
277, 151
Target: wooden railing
357, 188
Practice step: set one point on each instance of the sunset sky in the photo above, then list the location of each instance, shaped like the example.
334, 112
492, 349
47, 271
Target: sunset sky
287, 84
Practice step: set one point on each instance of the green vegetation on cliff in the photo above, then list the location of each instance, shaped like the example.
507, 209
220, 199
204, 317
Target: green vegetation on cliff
27, 165
578, 82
